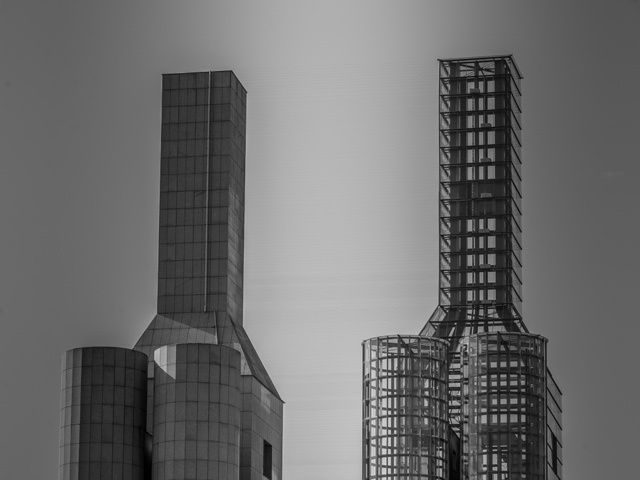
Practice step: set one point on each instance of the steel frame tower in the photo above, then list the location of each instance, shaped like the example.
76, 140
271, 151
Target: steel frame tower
505, 408
479, 207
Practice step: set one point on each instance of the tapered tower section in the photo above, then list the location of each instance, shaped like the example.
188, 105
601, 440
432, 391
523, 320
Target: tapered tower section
200, 284
504, 409
192, 400
480, 197
479, 206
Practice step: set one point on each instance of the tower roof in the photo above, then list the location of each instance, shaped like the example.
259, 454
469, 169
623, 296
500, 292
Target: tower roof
509, 58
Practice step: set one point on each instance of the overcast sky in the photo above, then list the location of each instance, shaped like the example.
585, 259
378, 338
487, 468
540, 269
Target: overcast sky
341, 194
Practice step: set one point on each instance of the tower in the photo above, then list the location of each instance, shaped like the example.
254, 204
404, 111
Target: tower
195, 400
479, 206
504, 408
201, 259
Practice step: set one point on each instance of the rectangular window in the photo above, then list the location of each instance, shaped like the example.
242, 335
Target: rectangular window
554, 454
471, 105
470, 138
469, 224
267, 459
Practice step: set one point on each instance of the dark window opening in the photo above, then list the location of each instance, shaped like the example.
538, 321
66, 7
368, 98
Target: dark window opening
267, 465
554, 454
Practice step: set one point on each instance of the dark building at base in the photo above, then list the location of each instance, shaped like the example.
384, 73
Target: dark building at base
503, 406
192, 400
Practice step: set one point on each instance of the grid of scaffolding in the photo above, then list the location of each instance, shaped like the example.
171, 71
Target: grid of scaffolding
480, 234
504, 412
504, 395
479, 207
405, 428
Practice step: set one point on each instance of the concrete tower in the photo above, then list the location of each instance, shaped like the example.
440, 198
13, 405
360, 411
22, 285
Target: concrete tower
192, 401
200, 268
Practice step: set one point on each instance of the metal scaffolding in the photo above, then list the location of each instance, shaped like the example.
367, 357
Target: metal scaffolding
504, 396
479, 207
503, 418
405, 428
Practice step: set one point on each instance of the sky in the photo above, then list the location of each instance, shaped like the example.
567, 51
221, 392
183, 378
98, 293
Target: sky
341, 198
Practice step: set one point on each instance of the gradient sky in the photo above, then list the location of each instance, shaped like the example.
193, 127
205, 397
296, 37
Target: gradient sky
341, 216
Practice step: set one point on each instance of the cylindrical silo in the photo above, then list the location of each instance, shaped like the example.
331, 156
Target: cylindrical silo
504, 426
102, 423
405, 426
196, 417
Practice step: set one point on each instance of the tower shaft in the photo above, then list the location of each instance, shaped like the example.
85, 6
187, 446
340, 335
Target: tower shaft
202, 194
479, 207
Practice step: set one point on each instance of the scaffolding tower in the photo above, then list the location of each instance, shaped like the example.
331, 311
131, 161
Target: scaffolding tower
480, 279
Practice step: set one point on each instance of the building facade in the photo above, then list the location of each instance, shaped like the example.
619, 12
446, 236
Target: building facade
504, 408
191, 400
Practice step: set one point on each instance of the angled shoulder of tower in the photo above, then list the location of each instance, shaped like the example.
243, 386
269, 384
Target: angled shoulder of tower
185, 328
253, 360
204, 328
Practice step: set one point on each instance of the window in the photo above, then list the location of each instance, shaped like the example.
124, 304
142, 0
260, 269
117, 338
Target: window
470, 175
267, 465
474, 87
470, 226
554, 453
471, 105
470, 138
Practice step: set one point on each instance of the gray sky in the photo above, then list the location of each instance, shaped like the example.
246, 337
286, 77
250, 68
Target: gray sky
341, 219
